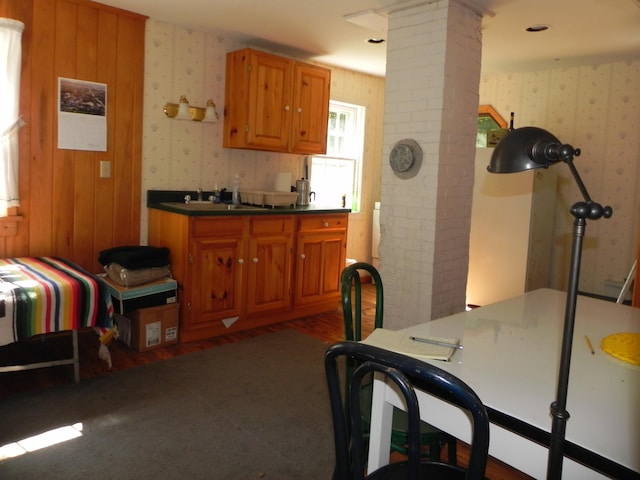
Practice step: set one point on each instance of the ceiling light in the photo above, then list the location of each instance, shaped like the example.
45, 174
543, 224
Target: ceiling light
369, 19
538, 28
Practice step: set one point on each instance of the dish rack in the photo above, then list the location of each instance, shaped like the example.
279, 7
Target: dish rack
269, 198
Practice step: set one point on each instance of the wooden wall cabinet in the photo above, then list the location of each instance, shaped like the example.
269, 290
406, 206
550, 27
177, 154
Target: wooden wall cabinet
275, 103
321, 255
235, 273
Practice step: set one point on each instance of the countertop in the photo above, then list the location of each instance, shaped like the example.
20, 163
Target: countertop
157, 199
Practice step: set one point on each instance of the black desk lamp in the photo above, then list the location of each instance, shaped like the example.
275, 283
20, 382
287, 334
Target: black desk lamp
524, 149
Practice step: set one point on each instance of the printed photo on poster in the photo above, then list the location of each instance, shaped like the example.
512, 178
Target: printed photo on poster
82, 115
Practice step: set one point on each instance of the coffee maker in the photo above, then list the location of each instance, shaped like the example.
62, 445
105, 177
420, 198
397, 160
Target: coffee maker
303, 188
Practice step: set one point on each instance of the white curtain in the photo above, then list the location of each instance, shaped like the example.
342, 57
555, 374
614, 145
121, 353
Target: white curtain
10, 122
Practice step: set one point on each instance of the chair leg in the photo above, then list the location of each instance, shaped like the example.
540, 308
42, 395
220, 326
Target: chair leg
452, 452
434, 451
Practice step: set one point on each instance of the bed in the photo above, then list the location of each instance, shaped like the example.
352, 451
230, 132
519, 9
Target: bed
44, 295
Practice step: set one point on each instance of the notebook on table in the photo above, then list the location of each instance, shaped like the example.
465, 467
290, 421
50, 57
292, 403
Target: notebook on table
422, 348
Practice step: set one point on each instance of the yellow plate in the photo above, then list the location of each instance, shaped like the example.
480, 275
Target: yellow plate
625, 346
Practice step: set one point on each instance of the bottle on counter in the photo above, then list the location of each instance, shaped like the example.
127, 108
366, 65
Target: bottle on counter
217, 194
235, 193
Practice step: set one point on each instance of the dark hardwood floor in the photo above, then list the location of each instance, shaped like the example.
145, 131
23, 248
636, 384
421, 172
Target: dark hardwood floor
327, 327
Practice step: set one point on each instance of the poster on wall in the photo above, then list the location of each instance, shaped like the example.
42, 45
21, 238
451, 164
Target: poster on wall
82, 115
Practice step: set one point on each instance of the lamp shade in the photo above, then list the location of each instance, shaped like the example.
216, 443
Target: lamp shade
183, 109
524, 149
210, 114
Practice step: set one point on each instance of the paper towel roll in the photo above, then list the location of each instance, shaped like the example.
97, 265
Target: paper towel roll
283, 182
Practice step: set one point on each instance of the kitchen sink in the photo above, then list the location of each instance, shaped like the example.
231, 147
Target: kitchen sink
208, 206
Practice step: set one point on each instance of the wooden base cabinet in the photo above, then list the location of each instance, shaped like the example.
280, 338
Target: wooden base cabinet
321, 254
235, 273
269, 264
216, 282
207, 260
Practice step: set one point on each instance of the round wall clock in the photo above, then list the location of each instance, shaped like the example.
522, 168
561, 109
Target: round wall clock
405, 158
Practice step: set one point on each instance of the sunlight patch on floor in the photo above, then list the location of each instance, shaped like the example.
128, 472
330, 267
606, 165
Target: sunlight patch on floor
40, 441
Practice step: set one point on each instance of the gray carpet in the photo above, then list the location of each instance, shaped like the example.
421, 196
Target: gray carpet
252, 409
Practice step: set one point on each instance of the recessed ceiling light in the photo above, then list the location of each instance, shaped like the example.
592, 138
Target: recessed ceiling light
375, 40
538, 28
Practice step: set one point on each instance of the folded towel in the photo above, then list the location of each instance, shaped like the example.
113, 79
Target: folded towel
135, 256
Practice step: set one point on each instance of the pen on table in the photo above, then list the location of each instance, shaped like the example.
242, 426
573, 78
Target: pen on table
436, 342
593, 352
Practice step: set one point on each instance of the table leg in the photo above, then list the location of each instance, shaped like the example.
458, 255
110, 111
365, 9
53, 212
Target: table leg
381, 419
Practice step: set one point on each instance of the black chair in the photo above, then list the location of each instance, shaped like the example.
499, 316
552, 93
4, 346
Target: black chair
407, 373
351, 294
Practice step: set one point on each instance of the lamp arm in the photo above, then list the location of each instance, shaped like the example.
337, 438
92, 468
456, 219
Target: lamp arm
587, 209
576, 177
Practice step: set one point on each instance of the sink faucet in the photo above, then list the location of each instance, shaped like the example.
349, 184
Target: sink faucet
199, 192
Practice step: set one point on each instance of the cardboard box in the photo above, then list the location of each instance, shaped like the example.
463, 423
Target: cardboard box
149, 328
128, 299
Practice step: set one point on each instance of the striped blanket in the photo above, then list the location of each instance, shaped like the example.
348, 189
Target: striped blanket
46, 294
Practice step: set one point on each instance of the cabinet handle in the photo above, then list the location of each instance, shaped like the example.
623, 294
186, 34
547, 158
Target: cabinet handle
287, 108
326, 224
255, 259
302, 256
299, 110
241, 261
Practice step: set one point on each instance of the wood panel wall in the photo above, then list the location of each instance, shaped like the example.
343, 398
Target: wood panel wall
66, 209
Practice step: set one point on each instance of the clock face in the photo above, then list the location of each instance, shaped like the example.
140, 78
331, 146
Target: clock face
405, 158
401, 158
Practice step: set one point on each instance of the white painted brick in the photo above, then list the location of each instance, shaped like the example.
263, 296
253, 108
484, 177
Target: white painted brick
439, 45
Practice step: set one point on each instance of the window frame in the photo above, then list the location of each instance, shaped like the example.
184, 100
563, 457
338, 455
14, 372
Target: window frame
355, 147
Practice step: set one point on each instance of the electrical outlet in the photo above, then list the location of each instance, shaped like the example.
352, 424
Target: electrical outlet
105, 169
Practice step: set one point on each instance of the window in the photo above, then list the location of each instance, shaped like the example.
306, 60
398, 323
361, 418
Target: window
10, 64
339, 172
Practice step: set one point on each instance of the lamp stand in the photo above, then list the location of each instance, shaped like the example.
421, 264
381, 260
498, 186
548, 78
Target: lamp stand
580, 211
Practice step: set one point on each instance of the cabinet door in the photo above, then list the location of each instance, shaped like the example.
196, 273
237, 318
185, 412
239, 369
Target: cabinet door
269, 273
320, 260
216, 278
269, 103
311, 86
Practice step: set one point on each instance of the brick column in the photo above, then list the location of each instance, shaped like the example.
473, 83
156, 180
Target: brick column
432, 84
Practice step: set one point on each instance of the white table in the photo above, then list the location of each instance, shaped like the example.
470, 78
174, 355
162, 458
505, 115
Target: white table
510, 358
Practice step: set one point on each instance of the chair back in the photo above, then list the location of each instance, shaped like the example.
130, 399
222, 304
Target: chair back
351, 293
407, 373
